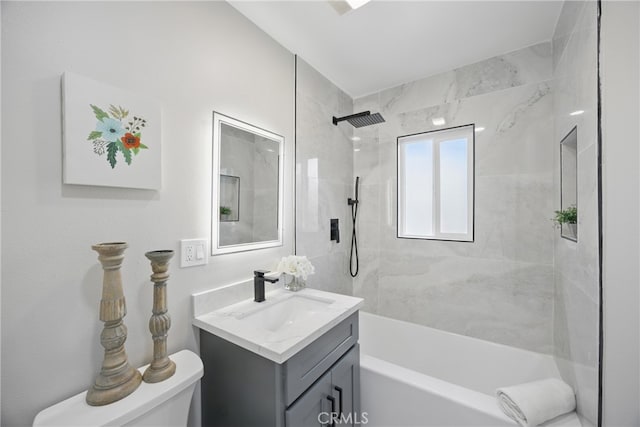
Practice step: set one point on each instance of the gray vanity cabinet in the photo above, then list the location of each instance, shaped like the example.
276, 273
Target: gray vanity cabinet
241, 388
308, 410
345, 382
335, 392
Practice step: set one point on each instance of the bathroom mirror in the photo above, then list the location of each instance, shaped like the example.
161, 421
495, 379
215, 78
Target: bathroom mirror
247, 186
569, 182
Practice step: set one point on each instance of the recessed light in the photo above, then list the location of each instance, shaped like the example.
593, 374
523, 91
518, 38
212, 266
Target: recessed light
438, 121
354, 4
355, 138
576, 113
356, 149
346, 6
479, 129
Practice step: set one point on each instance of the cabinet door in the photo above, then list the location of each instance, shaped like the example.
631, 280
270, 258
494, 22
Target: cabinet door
345, 388
313, 408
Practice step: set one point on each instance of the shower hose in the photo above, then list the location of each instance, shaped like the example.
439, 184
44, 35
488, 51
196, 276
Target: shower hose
354, 239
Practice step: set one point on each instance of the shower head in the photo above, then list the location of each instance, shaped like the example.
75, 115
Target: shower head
360, 119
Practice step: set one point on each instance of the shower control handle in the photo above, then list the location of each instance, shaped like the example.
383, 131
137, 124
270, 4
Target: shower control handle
334, 230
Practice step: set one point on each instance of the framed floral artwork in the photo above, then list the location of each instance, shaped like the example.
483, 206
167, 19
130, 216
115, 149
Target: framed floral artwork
111, 137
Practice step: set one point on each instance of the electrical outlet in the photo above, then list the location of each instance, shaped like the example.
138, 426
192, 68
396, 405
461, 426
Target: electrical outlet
192, 252
188, 253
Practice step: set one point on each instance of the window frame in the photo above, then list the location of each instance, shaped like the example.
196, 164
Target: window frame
468, 237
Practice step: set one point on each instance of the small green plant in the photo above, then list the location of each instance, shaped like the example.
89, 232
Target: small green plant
566, 216
224, 210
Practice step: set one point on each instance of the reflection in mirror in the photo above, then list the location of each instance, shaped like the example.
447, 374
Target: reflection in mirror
247, 216
229, 198
569, 184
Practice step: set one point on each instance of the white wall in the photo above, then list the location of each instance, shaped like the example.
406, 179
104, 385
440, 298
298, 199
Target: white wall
620, 50
194, 57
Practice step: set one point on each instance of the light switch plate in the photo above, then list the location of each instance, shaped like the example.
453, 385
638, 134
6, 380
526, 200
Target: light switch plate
193, 252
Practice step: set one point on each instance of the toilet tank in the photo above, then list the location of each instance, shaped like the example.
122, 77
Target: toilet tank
160, 404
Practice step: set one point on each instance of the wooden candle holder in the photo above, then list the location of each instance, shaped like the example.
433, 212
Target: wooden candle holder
161, 367
117, 378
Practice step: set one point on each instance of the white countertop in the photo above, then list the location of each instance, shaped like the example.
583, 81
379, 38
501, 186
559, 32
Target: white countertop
230, 323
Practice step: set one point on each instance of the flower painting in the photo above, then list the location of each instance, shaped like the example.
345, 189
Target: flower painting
111, 137
113, 134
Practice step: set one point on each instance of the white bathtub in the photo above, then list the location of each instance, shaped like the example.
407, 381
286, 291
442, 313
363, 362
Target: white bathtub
413, 375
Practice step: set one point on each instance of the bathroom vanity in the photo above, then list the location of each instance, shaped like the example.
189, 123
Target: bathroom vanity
289, 361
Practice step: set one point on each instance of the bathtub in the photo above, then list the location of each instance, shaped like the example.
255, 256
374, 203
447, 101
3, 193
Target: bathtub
413, 375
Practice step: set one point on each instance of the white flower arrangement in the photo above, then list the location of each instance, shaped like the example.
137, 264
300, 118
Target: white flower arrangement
296, 266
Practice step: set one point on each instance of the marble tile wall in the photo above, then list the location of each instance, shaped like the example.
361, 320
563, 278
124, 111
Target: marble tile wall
500, 287
518, 283
576, 313
324, 178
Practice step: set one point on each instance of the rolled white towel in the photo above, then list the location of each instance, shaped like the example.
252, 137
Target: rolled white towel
533, 403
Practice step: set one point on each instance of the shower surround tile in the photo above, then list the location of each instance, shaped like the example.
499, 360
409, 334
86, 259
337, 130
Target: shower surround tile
499, 287
522, 67
571, 11
512, 141
505, 302
325, 199
324, 173
518, 283
576, 278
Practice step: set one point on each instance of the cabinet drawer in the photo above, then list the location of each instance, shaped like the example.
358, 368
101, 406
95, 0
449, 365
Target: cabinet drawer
305, 367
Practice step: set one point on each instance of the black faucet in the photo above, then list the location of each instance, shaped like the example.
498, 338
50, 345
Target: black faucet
258, 284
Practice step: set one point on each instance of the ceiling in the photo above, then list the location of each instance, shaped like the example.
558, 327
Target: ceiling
387, 43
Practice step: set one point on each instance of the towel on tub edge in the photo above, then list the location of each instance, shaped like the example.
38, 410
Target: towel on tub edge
533, 403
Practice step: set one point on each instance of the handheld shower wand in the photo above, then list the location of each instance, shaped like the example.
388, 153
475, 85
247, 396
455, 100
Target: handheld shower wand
354, 241
350, 201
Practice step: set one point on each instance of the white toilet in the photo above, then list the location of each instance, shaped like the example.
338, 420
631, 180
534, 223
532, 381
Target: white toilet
161, 404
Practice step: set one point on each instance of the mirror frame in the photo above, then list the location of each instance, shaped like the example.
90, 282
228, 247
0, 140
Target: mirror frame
216, 249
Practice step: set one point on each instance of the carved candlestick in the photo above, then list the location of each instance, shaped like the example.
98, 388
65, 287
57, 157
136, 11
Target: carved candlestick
117, 378
161, 367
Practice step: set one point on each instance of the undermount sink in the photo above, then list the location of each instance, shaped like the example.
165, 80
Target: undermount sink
286, 313
283, 324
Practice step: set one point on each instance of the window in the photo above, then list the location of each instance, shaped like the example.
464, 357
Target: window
435, 184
